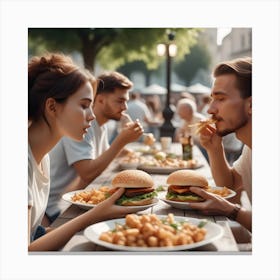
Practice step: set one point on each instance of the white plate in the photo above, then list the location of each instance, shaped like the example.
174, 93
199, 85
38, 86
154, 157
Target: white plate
125, 166
214, 232
186, 205
165, 170
67, 197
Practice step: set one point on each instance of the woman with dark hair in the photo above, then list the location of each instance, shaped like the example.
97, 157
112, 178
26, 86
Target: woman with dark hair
60, 97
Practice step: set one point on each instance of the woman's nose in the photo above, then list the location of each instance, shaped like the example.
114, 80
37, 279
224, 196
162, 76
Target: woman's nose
91, 116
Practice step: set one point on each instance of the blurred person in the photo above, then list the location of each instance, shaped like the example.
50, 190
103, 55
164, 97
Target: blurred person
81, 162
60, 97
176, 120
112, 130
204, 106
231, 107
137, 109
187, 111
154, 105
186, 94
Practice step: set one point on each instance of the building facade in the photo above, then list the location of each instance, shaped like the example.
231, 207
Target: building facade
238, 43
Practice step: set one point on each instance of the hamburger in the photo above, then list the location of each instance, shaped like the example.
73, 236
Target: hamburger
179, 186
138, 185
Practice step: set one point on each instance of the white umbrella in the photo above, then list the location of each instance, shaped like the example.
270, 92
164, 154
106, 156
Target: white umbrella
178, 88
154, 89
199, 89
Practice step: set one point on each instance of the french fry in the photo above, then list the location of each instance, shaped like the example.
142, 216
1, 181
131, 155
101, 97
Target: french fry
200, 125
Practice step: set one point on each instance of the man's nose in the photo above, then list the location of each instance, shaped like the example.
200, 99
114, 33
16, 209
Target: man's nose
212, 109
124, 106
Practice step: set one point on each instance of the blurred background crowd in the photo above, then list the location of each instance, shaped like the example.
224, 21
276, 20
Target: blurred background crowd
139, 54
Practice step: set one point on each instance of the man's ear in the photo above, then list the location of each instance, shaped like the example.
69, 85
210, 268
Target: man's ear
51, 106
249, 105
99, 99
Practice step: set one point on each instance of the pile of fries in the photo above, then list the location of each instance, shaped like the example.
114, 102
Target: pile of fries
221, 192
93, 196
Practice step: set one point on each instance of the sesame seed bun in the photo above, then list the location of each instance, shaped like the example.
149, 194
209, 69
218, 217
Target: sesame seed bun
179, 186
187, 178
138, 185
132, 179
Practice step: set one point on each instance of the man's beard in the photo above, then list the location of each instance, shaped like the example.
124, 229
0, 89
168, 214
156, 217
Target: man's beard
108, 114
115, 118
239, 125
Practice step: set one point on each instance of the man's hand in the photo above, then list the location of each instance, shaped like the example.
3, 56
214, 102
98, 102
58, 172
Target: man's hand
209, 139
213, 204
131, 132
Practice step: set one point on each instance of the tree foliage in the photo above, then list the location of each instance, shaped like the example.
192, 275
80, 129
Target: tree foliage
198, 58
111, 47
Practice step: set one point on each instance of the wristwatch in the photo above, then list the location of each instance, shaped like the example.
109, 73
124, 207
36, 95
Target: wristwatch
234, 212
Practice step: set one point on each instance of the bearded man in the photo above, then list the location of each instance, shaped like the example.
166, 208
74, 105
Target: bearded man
231, 108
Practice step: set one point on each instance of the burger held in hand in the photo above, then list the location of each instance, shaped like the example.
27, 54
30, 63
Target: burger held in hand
179, 186
138, 185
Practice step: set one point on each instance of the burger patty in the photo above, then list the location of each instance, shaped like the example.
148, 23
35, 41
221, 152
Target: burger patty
137, 191
175, 192
179, 189
182, 194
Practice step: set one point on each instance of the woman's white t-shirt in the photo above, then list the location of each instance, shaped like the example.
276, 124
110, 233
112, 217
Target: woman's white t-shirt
38, 189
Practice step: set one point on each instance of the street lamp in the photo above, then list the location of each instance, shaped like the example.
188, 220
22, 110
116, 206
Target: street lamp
169, 49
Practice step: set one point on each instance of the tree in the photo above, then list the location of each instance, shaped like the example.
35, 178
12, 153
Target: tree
137, 65
110, 47
88, 41
198, 58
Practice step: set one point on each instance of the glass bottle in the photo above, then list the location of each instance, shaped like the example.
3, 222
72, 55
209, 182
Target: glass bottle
187, 147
